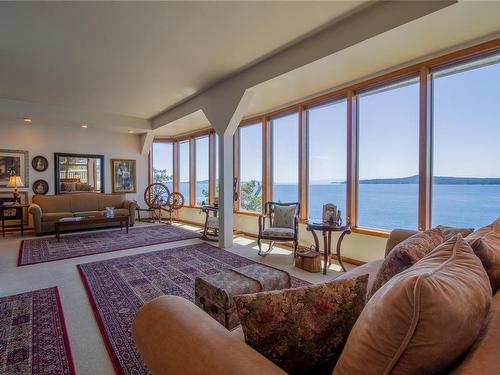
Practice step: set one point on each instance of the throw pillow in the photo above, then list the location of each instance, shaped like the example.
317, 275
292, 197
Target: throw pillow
424, 319
486, 245
302, 330
284, 216
406, 254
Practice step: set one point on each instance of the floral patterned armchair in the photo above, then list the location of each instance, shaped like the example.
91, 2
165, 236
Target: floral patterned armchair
283, 225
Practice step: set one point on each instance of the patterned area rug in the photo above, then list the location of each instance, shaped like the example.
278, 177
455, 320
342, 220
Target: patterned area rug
118, 287
33, 338
42, 250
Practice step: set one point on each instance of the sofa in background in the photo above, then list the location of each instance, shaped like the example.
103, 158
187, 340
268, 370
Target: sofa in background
170, 332
47, 209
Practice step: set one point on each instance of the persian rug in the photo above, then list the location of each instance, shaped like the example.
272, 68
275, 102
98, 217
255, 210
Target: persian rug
42, 250
33, 338
118, 287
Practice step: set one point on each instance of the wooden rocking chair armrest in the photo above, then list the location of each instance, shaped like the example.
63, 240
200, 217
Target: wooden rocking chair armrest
262, 221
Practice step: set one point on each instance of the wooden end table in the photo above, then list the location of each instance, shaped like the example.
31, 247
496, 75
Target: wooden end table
18, 216
78, 221
326, 230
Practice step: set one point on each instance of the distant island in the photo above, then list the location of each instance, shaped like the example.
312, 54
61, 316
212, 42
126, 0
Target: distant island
438, 180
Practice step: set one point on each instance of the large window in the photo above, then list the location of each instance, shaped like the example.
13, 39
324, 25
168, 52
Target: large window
327, 128
163, 170
184, 176
251, 167
285, 158
202, 170
466, 126
389, 156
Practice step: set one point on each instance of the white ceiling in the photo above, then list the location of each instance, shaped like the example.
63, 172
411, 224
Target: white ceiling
454, 27
138, 58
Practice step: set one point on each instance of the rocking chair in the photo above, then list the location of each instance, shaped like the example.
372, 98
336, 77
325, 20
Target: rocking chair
283, 225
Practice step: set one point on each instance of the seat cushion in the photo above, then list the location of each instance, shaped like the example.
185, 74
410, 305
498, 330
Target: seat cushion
278, 232
54, 216
302, 329
486, 245
423, 319
284, 216
88, 213
213, 222
406, 254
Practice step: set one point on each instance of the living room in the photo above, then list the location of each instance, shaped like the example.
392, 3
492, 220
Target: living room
317, 202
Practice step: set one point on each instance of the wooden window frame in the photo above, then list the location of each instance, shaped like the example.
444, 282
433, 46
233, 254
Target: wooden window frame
423, 70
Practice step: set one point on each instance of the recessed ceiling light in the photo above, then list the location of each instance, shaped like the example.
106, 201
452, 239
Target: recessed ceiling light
27, 120
84, 126
131, 131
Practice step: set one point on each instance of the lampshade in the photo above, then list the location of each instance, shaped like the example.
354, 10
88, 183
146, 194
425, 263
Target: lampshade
15, 182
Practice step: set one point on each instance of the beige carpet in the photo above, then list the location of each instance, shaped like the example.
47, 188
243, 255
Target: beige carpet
87, 345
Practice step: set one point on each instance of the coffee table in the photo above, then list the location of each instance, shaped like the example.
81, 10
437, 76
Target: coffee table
78, 221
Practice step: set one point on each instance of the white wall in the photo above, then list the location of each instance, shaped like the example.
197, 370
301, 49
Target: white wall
357, 246
45, 140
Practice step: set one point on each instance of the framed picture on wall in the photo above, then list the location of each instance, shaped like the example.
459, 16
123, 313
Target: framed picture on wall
40, 163
14, 162
123, 176
6, 196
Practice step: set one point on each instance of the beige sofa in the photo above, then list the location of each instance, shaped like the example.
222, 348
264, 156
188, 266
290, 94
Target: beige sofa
174, 336
47, 209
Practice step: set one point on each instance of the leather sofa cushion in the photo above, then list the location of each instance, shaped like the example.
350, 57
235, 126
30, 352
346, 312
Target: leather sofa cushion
484, 356
111, 200
54, 216
486, 245
423, 319
370, 268
406, 254
88, 213
53, 203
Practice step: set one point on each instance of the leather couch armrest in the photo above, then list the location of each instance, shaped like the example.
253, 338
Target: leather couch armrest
174, 336
131, 206
36, 211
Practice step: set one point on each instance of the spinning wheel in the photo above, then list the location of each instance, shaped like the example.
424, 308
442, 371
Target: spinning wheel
175, 201
156, 195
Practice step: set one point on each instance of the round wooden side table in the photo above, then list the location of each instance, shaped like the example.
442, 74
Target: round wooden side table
326, 230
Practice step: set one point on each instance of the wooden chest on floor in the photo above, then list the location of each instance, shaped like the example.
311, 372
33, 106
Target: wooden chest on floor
309, 261
214, 293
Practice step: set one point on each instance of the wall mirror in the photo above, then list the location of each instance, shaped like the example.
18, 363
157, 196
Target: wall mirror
78, 173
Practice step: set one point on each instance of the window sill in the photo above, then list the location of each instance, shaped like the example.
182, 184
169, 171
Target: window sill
371, 232
247, 213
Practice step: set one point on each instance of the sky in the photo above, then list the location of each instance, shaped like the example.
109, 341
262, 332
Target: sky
466, 125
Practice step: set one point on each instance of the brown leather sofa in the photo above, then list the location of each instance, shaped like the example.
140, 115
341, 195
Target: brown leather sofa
174, 336
47, 209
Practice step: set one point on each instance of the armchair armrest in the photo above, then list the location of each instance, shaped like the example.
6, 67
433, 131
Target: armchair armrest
174, 336
262, 222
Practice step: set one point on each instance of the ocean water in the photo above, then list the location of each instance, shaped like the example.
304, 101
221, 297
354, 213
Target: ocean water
389, 206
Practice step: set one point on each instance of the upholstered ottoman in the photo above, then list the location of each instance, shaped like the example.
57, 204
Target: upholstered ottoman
214, 293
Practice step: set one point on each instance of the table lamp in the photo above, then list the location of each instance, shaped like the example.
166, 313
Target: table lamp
15, 182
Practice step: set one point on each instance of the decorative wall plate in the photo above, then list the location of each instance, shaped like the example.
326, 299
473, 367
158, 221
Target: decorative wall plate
39, 163
40, 187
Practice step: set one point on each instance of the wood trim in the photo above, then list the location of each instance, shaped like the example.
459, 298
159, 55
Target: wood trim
303, 162
192, 171
236, 167
176, 166
352, 160
150, 167
211, 168
184, 136
267, 172
371, 232
247, 213
425, 149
